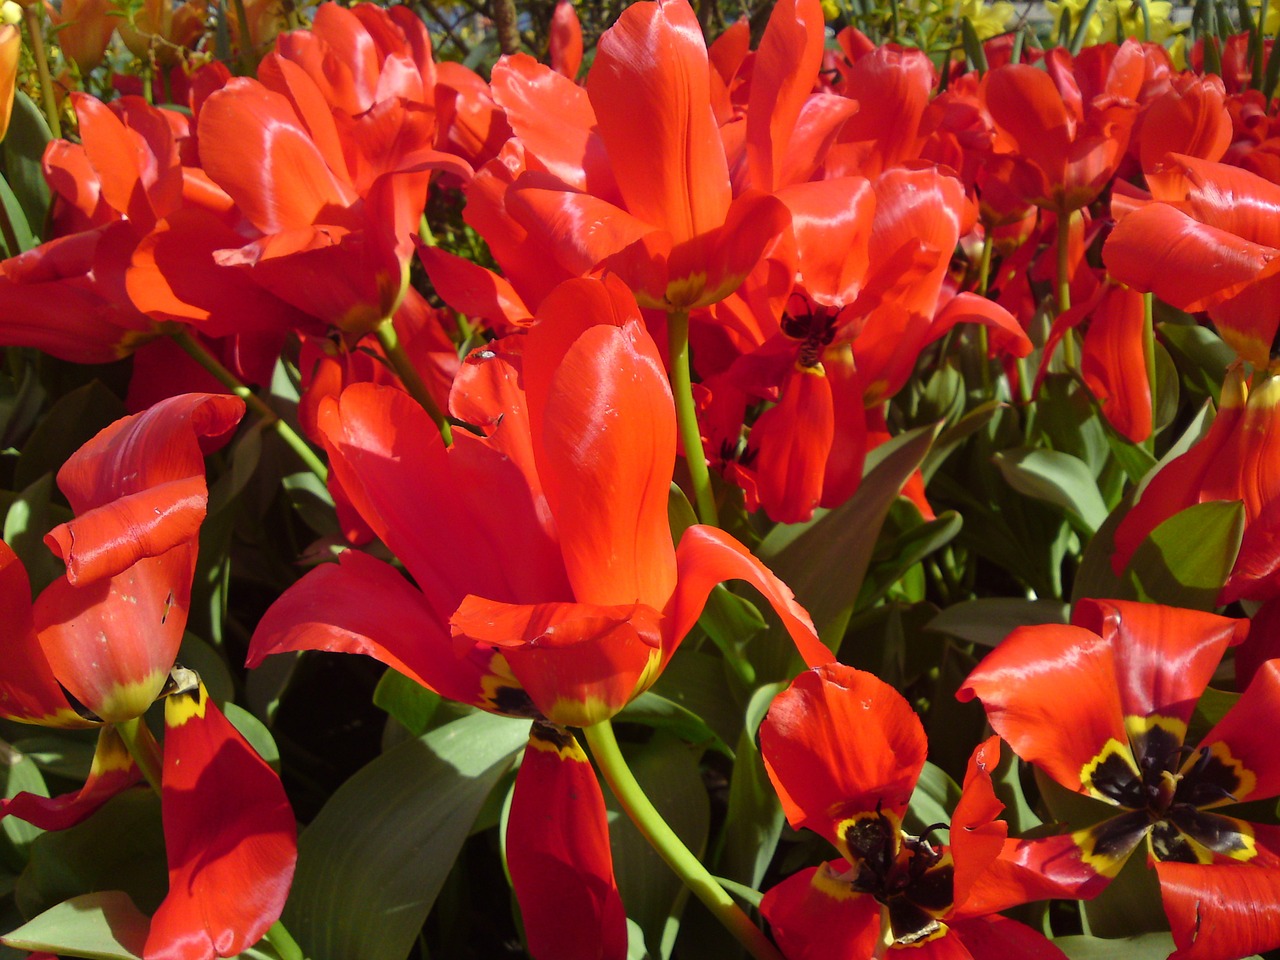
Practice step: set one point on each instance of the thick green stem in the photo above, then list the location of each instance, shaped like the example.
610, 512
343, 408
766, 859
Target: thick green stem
984, 265
282, 940
200, 355
143, 748
35, 30
1064, 287
410, 377
604, 747
687, 417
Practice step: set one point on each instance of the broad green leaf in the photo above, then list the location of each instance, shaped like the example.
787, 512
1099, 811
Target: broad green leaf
23, 150
988, 620
312, 500
1056, 478
31, 515
254, 732
933, 801
22, 237
120, 847
1200, 353
1210, 709
71, 422
753, 823
1186, 560
1146, 946
408, 701
951, 438
373, 861
659, 713
62, 753
21, 776
667, 771
100, 926
891, 561
1168, 391
804, 555
698, 681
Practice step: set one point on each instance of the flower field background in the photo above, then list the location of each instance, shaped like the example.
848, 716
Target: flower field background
640, 480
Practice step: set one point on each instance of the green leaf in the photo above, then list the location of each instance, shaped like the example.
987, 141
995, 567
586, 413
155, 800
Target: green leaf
408, 701
950, 439
23, 150
22, 235
988, 620
120, 847
1056, 478
31, 515
64, 753
1186, 560
20, 775
1168, 391
71, 422
100, 926
659, 713
753, 823
255, 732
373, 861
1200, 353
933, 800
667, 771
804, 555
892, 561
209, 664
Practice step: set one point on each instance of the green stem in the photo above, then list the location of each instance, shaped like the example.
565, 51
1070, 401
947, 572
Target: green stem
984, 265
35, 30
604, 747
1064, 287
410, 377
283, 943
687, 417
200, 355
143, 748
10, 237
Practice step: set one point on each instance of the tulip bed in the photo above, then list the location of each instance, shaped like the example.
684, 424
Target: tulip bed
803, 487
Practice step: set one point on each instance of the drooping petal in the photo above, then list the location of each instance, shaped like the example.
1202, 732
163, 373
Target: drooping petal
579, 663
362, 605
977, 835
708, 556
604, 430
1113, 364
1164, 656
1050, 691
138, 487
650, 89
1041, 869
791, 442
564, 46
112, 642
815, 916
558, 853
832, 224
111, 772
837, 743
229, 837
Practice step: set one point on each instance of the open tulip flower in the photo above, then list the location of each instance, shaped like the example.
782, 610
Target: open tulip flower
1103, 706
98, 647
844, 751
595, 605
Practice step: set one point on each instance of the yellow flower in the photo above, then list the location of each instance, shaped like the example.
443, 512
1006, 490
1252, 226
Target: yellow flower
988, 19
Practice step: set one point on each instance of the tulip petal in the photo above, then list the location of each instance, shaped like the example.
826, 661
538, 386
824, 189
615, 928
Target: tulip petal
1050, 691
1247, 732
814, 916
558, 853
650, 89
111, 772
229, 836
708, 556
362, 605
138, 487
1222, 911
839, 742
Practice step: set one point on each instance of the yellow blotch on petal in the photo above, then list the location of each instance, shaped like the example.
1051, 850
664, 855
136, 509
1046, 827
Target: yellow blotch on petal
1112, 748
185, 705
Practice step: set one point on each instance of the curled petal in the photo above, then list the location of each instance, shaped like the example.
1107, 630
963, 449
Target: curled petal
138, 487
708, 556
814, 916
